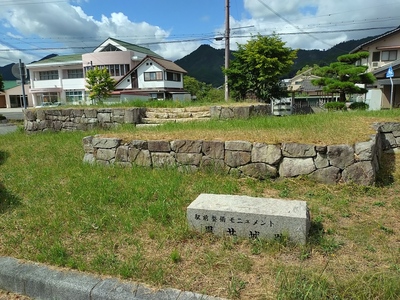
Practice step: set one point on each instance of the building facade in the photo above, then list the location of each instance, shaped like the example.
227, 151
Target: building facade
384, 52
62, 78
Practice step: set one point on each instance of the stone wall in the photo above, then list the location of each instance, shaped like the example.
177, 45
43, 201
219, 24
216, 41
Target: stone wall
329, 164
61, 119
243, 111
79, 119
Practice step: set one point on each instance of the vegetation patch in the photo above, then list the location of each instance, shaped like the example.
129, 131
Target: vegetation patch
131, 222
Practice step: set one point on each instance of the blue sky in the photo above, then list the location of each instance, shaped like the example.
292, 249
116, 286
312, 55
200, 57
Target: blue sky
32, 29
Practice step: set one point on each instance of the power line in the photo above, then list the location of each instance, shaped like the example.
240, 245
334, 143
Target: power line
198, 39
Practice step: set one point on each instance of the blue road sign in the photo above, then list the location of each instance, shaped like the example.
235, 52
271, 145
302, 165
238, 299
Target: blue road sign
390, 73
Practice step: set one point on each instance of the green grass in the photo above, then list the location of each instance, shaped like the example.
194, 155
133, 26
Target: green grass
131, 222
320, 129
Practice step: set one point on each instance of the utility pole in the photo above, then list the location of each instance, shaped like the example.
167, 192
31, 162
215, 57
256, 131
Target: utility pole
227, 50
22, 73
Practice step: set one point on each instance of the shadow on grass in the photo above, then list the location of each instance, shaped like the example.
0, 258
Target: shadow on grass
7, 200
3, 156
385, 175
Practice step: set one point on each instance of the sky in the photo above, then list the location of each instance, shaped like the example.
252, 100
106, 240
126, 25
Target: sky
32, 29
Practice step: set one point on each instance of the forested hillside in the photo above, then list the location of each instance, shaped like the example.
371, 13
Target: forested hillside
206, 63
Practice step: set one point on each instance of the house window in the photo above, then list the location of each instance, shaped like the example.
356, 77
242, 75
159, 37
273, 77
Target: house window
110, 48
48, 97
77, 73
114, 70
376, 56
74, 96
48, 75
173, 76
389, 55
153, 76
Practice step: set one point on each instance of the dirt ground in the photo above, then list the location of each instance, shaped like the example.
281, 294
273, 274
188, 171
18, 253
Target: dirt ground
11, 296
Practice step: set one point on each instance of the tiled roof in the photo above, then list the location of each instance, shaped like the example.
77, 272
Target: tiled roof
9, 84
59, 59
168, 65
136, 48
395, 65
375, 39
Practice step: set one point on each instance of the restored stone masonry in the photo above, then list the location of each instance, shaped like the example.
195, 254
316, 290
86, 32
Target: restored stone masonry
329, 164
70, 119
79, 119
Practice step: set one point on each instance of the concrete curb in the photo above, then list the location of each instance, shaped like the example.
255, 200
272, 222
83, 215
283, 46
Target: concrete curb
39, 281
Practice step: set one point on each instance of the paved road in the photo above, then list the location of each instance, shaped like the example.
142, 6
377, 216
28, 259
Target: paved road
12, 113
7, 128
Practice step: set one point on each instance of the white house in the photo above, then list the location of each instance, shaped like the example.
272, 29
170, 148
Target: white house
160, 78
384, 52
62, 78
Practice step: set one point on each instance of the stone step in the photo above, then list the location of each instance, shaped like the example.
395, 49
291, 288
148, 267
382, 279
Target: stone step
178, 109
170, 120
177, 115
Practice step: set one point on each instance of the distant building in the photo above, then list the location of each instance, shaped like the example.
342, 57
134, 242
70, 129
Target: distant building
13, 96
139, 72
384, 52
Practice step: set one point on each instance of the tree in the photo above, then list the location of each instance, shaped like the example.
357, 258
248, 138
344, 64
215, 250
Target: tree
195, 87
342, 76
100, 84
258, 66
203, 91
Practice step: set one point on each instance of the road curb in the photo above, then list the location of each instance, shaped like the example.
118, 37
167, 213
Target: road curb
39, 281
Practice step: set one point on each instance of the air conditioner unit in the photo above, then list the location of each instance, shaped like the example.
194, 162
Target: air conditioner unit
375, 64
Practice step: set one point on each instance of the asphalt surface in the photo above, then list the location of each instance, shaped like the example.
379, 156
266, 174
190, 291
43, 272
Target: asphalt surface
42, 282
10, 114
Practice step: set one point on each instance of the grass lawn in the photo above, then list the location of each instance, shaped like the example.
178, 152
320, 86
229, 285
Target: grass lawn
131, 223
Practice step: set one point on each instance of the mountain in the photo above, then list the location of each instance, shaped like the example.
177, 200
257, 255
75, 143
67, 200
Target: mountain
6, 70
205, 64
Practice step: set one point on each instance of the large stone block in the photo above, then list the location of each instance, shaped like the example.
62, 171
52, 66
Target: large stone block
329, 175
291, 167
104, 117
270, 154
105, 154
365, 150
87, 144
259, 170
237, 158
159, 146
298, 150
140, 157
106, 143
321, 161
340, 156
242, 112
122, 154
186, 146
162, 159
214, 149
238, 146
362, 173
189, 158
249, 217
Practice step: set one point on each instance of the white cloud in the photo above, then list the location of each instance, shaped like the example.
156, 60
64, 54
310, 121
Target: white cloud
65, 25
71, 28
340, 16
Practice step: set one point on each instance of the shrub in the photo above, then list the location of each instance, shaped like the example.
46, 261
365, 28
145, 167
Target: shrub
2, 117
359, 106
335, 106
